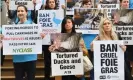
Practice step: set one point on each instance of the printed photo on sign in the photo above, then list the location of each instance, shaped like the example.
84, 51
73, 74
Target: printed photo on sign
126, 33
108, 60
14, 3
22, 39
107, 4
66, 55
63, 42
87, 20
50, 21
122, 17
57, 4
84, 4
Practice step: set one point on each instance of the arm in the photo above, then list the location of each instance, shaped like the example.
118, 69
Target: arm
82, 44
91, 45
12, 14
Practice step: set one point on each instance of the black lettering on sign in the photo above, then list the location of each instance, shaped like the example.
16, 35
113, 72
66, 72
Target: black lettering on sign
63, 67
108, 48
20, 3
109, 70
67, 72
109, 62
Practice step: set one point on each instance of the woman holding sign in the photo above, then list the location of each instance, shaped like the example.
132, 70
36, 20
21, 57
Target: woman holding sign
24, 63
68, 27
106, 33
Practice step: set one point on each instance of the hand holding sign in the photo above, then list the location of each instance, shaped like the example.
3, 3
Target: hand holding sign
42, 35
123, 47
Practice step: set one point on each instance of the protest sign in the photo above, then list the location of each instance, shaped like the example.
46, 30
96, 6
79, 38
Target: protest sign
87, 20
108, 60
14, 3
126, 33
67, 63
22, 39
50, 21
67, 58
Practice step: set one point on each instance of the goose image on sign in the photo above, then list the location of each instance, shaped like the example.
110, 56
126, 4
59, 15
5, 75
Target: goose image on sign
55, 20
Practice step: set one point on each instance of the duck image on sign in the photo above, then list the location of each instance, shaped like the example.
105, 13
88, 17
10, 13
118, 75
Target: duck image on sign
56, 20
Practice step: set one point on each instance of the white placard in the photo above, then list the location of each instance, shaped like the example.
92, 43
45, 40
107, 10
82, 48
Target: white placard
108, 60
109, 6
50, 21
14, 3
126, 33
67, 63
22, 39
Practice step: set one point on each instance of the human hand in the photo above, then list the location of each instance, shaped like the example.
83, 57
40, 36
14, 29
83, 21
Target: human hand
123, 47
42, 35
63, 6
51, 48
34, 2
7, 4
1, 37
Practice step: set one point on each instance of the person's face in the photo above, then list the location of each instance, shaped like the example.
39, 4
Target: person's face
21, 13
125, 4
51, 4
87, 5
107, 26
68, 25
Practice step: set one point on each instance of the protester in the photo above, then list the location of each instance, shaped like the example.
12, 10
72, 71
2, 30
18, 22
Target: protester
106, 32
69, 27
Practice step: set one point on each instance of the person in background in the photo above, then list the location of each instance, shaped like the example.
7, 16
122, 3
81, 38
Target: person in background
50, 5
106, 32
69, 27
124, 4
87, 4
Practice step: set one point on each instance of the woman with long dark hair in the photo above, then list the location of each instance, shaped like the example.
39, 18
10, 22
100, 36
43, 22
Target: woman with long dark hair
68, 26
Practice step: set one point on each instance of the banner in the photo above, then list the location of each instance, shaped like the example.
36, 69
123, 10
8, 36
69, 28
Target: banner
22, 39
87, 20
67, 56
14, 3
108, 60
50, 21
